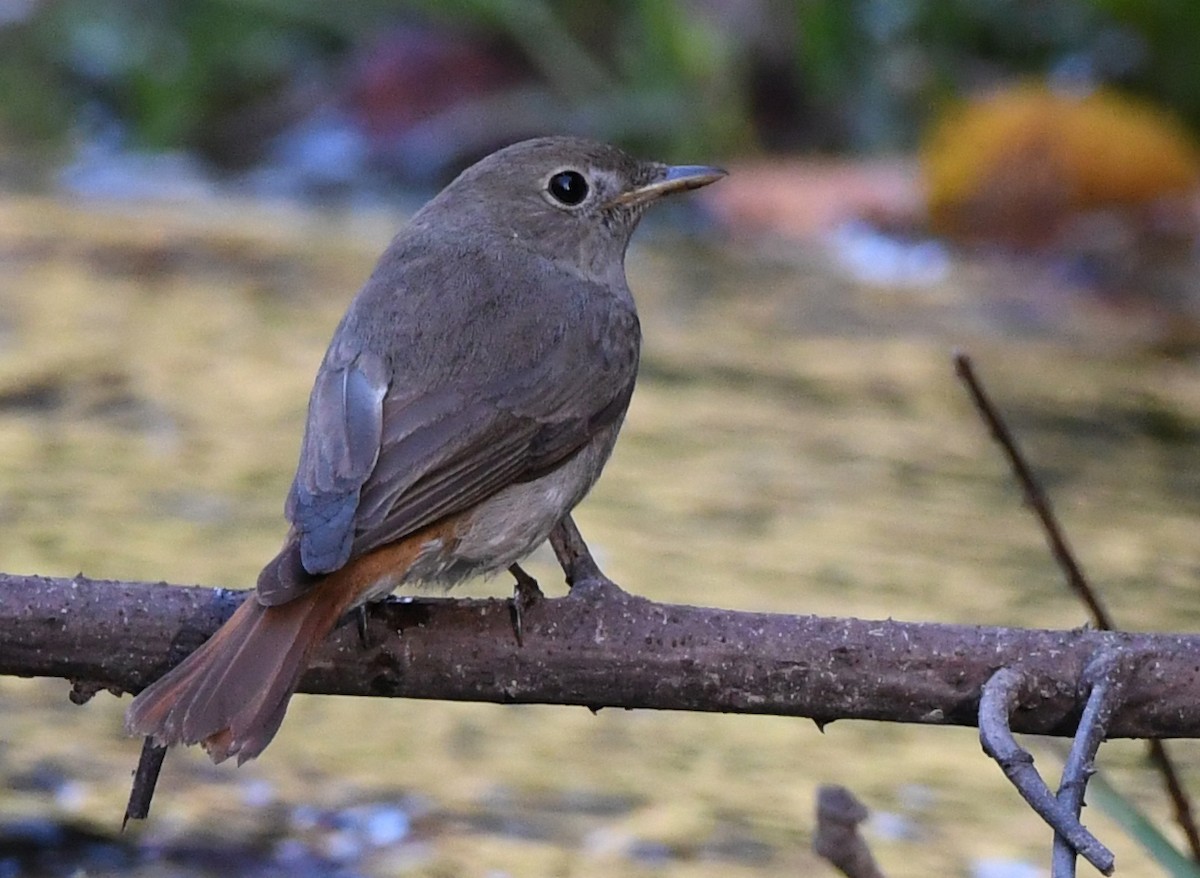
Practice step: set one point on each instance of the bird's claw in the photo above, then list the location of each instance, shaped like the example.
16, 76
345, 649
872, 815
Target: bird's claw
525, 594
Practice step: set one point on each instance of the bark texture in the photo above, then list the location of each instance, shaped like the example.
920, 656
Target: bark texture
606, 648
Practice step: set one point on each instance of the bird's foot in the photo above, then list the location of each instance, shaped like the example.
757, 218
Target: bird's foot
525, 594
597, 587
360, 625
584, 576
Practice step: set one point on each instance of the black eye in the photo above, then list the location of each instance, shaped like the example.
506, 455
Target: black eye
568, 187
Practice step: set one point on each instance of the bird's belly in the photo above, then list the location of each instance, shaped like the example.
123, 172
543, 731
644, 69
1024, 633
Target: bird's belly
513, 522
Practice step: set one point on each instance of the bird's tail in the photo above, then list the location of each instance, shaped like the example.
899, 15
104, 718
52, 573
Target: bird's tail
230, 695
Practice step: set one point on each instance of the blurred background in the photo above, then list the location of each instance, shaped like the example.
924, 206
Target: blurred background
191, 192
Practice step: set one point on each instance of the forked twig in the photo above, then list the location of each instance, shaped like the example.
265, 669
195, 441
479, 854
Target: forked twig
1107, 680
1073, 571
1001, 695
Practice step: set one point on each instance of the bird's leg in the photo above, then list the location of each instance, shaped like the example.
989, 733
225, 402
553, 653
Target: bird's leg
360, 625
358, 617
525, 594
583, 574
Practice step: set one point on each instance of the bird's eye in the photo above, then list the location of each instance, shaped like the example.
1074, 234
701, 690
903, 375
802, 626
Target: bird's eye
568, 187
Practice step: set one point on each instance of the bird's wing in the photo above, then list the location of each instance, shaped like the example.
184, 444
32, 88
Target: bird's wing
340, 448
380, 461
517, 428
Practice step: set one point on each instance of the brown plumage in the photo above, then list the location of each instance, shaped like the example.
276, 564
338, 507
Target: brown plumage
230, 695
468, 400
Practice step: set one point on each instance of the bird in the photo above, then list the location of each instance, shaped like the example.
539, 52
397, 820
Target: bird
468, 400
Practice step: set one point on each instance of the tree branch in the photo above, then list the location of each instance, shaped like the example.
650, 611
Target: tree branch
1072, 570
1001, 696
145, 778
837, 840
619, 651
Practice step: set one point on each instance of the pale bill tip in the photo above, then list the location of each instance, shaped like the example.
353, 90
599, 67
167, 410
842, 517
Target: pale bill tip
676, 178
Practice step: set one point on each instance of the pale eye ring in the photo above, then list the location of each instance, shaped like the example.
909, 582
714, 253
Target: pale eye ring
569, 188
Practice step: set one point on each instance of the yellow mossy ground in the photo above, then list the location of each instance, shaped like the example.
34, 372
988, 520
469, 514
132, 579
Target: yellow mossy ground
797, 443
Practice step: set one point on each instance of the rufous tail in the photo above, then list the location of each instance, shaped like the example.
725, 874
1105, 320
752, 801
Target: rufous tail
230, 695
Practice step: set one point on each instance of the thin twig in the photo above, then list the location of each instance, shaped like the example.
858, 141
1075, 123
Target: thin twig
1076, 579
1000, 697
145, 778
1107, 680
1181, 802
1034, 495
836, 839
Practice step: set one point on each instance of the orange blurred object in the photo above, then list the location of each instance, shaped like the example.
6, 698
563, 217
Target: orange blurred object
1014, 166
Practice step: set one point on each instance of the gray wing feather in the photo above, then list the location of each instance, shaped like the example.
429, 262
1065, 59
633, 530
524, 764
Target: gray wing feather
515, 427
467, 457
341, 446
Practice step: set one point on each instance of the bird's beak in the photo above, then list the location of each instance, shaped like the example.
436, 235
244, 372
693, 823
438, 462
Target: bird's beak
677, 178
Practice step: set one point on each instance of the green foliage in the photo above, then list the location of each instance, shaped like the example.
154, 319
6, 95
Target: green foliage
677, 76
1168, 30
169, 69
1140, 828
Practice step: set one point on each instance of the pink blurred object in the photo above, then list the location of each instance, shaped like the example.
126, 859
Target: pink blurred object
808, 198
413, 74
